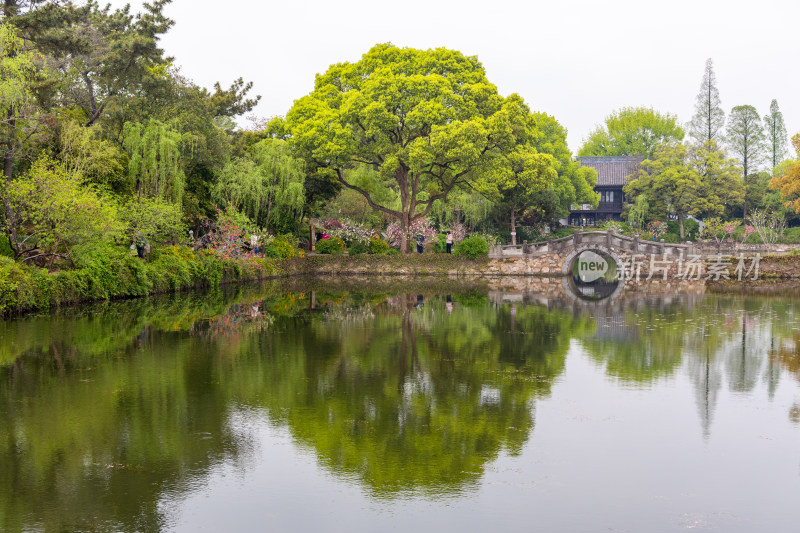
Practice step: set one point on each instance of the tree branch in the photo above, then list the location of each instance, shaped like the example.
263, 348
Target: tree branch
367, 196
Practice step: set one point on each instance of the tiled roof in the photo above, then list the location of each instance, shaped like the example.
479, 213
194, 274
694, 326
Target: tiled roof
612, 170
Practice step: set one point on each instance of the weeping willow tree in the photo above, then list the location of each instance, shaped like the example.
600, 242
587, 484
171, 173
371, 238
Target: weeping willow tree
465, 206
267, 185
154, 166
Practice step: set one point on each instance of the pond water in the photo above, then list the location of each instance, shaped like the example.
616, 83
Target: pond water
399, 407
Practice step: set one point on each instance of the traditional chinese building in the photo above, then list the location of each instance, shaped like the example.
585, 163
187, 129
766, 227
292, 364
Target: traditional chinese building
611, 174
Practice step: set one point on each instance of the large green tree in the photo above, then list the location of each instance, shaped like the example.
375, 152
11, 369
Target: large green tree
682, 181
746, 139
427, 119
777, 138
18, 109
632, 131
709, 118
574, 183
531, 175
267, 185
102, 55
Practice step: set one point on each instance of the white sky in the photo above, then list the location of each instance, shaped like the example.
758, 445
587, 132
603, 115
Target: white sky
577, 60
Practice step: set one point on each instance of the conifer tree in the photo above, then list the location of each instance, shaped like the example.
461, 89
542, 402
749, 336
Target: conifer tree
777, 139
709, 118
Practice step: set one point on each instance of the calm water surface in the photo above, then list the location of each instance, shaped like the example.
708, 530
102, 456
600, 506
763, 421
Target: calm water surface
400, 407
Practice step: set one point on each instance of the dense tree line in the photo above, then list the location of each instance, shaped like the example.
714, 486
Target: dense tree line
728, 169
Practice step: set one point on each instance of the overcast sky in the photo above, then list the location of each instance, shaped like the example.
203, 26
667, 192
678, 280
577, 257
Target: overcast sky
577, 60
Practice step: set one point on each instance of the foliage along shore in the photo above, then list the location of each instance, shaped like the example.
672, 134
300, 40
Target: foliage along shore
120, 274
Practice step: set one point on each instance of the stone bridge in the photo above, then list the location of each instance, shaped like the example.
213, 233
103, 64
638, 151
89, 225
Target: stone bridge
553, 256
602, 239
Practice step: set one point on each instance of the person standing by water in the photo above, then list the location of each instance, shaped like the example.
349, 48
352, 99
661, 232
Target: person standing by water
449, 243
254, 244
420, 243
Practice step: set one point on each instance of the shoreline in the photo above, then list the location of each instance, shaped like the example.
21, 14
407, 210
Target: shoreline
26, 289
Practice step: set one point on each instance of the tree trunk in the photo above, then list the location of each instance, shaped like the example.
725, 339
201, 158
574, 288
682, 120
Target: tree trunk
680, 217
407, 205
513, 228
404, 228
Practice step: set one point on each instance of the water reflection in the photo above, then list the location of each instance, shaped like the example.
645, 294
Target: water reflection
404, 391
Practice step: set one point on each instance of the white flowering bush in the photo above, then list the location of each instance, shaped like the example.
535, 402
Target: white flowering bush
351, 232
421, 226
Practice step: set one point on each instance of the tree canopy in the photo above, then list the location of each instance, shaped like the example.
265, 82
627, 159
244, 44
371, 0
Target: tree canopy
683, 181
428, 120
632, 131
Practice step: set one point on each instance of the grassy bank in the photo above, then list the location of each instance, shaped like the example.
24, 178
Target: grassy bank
119, 274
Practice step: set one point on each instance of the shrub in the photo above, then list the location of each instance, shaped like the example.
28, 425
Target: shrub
791, 236
332, 245
5, 247
282, 246
440, 246
392, 251
473, 247
358, 248
378, 246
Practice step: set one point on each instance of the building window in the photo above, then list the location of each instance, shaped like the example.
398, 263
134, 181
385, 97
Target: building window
607, 197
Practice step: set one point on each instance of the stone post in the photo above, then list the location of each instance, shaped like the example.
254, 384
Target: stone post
636, 243
609, 237
549, 245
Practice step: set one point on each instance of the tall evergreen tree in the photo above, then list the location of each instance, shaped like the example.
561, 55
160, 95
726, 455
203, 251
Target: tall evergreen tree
709, 118
777, 139
746, 139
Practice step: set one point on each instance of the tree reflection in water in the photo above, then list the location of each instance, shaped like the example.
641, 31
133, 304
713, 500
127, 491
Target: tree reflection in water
108, 409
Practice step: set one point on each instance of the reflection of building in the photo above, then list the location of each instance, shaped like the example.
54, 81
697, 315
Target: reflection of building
611, 174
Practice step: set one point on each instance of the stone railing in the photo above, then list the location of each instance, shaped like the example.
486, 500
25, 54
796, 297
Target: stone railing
608, 239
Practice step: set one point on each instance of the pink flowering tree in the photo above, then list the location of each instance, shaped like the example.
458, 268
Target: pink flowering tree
421, 226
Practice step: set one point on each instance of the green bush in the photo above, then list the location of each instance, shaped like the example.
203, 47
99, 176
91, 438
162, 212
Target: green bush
473, 247
358, 248
331, 245
564, 231
378, 246
790, 236
440, 246
5, 247
392, 251
282, 246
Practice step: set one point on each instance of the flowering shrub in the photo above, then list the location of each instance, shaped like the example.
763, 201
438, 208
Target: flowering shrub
225, 236
718, 230
459, 232
352, 232
615, 226
332, 224
657, 229
421, 226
